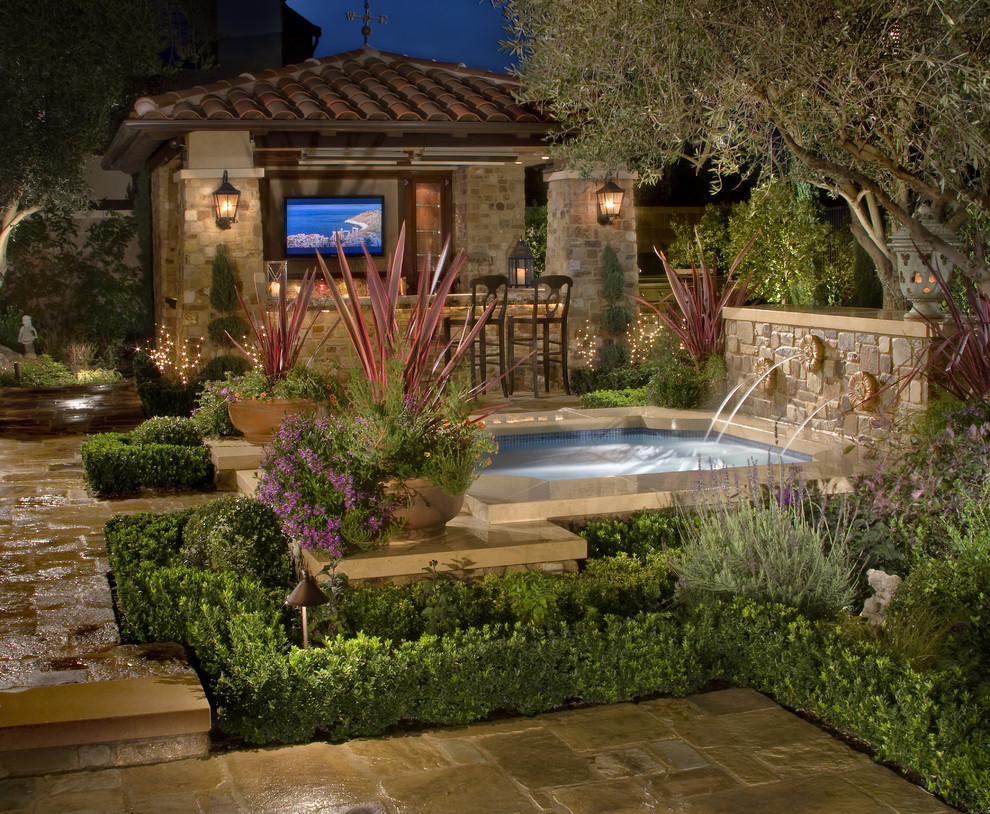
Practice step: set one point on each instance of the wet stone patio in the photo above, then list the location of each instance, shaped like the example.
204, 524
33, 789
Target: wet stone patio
728, 751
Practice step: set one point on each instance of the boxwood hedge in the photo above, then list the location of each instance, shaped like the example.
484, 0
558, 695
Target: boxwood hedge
266, 691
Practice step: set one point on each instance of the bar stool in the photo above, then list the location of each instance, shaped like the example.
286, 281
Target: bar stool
488, 347
543, 330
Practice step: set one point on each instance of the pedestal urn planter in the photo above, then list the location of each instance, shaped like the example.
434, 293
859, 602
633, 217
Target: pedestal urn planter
428, 512
258, 419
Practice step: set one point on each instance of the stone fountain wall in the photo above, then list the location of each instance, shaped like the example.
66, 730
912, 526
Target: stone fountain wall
843, 363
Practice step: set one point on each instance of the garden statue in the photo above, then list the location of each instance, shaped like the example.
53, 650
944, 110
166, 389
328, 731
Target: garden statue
27, 336
884, 585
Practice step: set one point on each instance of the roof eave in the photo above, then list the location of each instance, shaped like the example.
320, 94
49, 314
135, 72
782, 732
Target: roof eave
136, 140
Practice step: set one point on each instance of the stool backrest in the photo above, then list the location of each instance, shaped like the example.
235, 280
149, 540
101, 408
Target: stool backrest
487, 289
552, 297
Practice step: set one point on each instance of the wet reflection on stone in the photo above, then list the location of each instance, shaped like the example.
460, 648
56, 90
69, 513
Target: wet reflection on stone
56, 617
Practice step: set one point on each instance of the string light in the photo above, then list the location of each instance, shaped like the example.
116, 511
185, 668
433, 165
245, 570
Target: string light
173, 360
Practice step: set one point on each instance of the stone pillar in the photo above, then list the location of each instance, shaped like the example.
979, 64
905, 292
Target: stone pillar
489, 206
576, 240
165, 227
197, 242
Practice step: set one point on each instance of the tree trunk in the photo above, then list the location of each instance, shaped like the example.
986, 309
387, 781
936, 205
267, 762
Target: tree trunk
893, 298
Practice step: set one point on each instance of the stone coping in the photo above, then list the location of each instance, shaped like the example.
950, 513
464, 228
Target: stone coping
510, 498
859, 320
102, 712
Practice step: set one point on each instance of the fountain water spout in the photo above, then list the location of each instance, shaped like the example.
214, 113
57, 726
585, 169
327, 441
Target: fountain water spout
759, 379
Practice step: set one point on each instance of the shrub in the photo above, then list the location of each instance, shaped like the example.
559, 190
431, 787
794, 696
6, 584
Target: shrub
166, 397
926, 721
589, 379
10, 326
219, 366
167, 430
115, 466
43, 372
641, 534
98, 375
767, 552
941, 615
237, 533
631, 397
909, 493
221, 329
615, 355
676, 383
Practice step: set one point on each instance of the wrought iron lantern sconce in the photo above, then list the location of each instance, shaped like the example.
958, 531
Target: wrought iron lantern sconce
521, 266
609, 203
306, 594
225, 200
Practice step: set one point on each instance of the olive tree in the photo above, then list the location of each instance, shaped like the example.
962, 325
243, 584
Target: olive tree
68, 70
885, 103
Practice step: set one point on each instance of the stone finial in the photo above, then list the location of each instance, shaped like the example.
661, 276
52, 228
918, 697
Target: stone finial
884, 586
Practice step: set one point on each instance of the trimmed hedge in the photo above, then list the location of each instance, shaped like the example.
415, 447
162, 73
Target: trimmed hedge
266, 691
629, 397
115, 465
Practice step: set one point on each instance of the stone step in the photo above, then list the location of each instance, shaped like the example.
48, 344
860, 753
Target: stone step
100, 724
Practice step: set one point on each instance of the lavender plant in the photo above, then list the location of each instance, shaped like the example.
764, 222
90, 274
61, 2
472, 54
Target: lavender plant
769, 550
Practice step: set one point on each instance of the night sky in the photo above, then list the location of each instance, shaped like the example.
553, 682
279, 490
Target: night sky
465, 31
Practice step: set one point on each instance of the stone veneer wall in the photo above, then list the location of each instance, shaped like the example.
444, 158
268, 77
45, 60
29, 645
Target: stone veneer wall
489, 217
164, 230
830, 358
186, 237
576, 240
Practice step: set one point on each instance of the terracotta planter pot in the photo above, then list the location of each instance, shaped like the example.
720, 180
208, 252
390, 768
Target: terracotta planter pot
258, 420
429, 512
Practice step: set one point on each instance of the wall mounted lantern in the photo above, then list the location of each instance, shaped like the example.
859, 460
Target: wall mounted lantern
306, 594
521, 266
225, 199
609, 203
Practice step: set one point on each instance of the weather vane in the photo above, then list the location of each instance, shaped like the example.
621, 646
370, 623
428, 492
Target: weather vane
366, 29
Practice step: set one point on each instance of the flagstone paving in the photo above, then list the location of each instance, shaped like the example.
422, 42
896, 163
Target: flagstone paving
728, 751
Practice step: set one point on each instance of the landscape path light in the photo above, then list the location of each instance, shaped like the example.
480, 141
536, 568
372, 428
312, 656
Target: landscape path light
306, 594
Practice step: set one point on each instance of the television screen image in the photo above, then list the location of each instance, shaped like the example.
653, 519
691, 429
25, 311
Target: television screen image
312, 224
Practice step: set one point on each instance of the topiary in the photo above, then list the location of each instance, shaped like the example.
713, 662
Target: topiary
237, 533
223, 328
615, 319
219, 366
223, 288
175, 430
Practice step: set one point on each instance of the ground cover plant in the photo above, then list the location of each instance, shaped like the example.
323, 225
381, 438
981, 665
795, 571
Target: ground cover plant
44, 371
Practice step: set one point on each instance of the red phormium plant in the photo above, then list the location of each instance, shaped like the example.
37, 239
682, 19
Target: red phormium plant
383, 347
279, 335
960, 357
700, 325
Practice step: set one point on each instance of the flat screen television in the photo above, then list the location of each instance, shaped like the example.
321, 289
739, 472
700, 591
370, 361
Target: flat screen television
311, 224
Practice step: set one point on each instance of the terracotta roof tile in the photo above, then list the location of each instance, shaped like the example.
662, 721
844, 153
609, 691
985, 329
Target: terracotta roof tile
365, 84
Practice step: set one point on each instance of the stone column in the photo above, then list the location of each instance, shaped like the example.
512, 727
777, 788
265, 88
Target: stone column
576, 240
489, 206
198, 239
